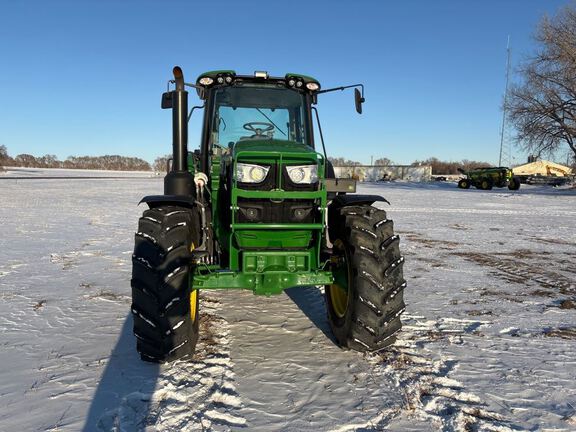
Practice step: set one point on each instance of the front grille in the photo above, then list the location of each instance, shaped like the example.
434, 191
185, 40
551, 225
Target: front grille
265, 211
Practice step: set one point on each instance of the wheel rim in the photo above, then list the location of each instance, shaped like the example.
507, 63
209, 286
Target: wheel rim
193, 301
339, 289
193, 296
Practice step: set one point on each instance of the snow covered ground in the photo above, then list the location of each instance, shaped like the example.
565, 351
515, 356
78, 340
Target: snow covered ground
489, 339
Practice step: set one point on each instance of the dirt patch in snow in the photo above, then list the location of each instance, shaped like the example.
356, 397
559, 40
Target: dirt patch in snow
567, 304
561, 332
428, 242
510, 267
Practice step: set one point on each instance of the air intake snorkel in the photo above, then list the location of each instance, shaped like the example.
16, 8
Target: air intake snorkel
179, 181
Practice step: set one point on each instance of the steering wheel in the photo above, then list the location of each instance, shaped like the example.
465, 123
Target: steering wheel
258, 131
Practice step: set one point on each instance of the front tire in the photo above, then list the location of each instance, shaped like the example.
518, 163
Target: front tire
514, 183
366, 300
164, 308
464, 184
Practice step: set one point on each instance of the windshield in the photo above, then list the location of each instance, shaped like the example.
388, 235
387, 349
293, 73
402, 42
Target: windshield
258, 113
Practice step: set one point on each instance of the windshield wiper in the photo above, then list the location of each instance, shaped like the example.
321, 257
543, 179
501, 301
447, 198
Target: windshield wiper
270, 120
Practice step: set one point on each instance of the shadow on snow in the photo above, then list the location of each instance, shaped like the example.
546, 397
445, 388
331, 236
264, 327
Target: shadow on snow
310, 300
125, 389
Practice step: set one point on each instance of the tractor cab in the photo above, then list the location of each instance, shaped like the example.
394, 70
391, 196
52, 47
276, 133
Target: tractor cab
249, 109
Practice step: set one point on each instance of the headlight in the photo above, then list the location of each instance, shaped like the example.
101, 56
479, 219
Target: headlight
303, 174
249, 173
312, 86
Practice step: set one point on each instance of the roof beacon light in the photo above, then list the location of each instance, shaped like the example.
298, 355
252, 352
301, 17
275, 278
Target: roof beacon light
261, 74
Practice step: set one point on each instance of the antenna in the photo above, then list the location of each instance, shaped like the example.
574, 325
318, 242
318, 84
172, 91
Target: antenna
505, 141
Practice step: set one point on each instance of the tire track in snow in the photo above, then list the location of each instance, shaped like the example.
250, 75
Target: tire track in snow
192, 395
429, 393
291, 375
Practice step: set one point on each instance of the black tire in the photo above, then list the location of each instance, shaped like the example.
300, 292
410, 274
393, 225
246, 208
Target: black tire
514, 183
161, 296
464, 184
485, 184
364, 236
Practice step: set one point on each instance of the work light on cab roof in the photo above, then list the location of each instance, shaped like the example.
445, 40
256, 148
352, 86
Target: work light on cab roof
292, 80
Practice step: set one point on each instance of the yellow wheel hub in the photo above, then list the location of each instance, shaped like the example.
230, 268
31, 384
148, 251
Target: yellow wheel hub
193, 302
193, 297
339, 298
339, 289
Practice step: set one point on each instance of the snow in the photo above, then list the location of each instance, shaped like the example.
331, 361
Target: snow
489, 337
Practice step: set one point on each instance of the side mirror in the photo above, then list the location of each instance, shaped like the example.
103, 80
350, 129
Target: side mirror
166, 100
358, 100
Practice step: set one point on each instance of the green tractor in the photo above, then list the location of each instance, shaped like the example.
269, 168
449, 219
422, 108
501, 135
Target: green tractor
487, 178
257, 208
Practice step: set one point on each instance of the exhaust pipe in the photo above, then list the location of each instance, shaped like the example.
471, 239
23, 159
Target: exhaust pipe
179, 181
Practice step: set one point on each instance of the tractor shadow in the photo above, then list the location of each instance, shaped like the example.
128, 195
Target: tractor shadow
125, 389
310, 300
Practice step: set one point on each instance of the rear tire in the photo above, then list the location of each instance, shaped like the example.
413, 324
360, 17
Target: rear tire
367, 316
485, 184
165, 310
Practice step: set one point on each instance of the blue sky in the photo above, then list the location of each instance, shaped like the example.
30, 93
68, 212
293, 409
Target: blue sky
85, 77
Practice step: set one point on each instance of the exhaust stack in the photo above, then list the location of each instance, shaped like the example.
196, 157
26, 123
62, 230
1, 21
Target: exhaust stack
179, 181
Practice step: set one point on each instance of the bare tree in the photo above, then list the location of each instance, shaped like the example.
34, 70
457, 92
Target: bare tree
383, 162
4, 158
26, 160
340, 161
543, 107
160, 163
445, 167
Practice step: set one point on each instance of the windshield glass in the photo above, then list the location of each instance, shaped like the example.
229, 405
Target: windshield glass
258, 113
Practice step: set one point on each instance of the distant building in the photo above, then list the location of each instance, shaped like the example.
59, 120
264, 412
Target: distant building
542, 167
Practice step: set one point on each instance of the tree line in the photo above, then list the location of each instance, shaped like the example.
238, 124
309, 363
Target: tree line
106, 162
438, 166
125, 163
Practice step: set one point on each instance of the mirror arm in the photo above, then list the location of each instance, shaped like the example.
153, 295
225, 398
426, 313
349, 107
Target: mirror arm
197, 87
343, 88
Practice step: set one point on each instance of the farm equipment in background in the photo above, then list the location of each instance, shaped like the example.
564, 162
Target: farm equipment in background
554, 177
258, 208
548, 180
487, 178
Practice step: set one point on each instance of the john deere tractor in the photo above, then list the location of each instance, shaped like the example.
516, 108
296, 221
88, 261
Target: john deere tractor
258, 208
487, 178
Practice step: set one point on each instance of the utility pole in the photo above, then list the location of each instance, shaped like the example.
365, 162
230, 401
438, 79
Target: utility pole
505, 154
371, 160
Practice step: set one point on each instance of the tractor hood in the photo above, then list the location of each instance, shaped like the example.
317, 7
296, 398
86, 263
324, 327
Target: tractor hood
288, 148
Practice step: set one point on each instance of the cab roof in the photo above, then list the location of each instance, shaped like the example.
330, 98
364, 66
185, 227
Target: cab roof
223, 77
